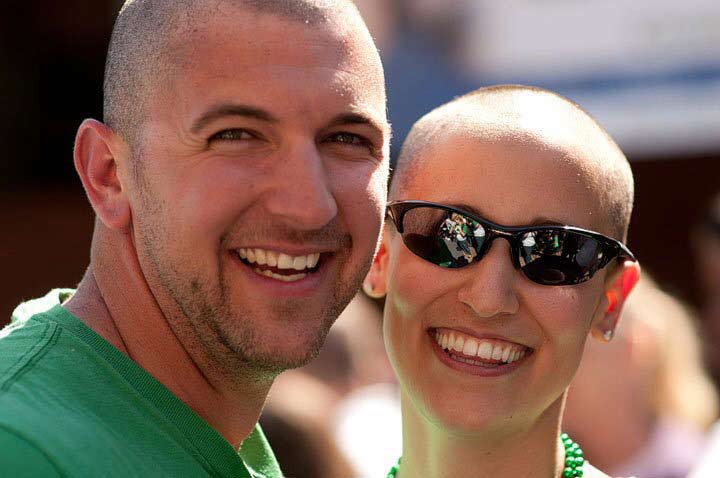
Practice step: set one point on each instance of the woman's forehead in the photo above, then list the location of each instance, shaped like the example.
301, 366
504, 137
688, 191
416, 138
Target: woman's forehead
508, 180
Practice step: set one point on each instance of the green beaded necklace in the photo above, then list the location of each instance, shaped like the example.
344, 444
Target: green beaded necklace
574, 460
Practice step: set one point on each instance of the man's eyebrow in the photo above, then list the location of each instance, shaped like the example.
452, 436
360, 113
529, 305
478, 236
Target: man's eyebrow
230, 109
358, 118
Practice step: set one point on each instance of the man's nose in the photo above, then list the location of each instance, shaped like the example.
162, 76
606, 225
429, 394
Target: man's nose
302, 192
489, 287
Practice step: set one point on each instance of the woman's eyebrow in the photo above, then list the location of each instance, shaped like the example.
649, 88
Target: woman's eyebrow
537, 221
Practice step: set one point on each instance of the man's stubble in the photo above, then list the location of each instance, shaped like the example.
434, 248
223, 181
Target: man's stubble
201, 306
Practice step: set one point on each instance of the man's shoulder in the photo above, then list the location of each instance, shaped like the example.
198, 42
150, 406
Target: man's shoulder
22, 457
31, 418
36, 390
29, 338
23, 344
30, 308
51, 382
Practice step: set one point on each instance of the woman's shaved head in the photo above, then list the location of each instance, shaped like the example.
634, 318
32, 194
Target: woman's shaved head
523, 116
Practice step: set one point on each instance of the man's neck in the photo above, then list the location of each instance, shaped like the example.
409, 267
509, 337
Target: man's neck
433, 452
114, 300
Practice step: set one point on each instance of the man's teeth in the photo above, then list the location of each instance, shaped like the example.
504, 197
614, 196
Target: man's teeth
484, 349
290, 278
278, 259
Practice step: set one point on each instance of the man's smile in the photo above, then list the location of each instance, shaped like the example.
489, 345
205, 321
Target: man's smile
279, 265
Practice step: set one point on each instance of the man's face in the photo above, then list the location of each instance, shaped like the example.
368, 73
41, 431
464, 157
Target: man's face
261, 185
512, 183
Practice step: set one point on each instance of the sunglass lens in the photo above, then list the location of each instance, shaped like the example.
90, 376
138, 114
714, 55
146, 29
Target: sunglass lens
445, 238
558, 257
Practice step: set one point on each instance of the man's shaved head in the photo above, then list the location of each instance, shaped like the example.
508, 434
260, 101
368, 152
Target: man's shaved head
245, 125
527, 115
146, 45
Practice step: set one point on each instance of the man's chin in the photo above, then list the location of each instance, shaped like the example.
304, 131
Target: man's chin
276, 351
279, 362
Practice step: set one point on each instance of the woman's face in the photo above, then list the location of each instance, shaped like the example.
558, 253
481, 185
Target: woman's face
489, 303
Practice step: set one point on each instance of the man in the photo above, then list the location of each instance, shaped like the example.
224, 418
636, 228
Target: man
239, 187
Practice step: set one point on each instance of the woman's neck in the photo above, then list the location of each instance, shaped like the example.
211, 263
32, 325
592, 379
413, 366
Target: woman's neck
503, 450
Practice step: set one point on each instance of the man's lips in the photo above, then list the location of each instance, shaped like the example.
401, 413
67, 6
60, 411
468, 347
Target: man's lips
281, 266
488, 352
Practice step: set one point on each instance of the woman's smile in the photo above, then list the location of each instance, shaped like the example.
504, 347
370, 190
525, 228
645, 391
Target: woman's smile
485, 356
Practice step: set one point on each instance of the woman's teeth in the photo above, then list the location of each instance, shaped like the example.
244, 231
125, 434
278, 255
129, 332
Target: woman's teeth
265, 259
483, 349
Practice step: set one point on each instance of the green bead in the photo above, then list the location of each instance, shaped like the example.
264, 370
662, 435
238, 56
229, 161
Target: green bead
574, 460
393, 471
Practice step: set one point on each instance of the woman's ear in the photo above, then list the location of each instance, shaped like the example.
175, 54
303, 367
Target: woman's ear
96, 153
375, 284
618, 286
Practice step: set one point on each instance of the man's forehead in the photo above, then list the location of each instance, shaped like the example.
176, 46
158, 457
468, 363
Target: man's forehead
234, 46
296, 67
263, 32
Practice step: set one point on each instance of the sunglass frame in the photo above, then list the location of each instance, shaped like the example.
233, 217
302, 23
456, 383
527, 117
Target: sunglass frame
611, 248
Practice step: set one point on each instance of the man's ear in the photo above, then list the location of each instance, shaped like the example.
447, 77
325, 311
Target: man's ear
618, 286
96, 154
375, 284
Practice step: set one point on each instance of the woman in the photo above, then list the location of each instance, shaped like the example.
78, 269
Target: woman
489, 296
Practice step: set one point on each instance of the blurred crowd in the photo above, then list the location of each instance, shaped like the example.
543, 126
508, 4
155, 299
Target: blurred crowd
655, 385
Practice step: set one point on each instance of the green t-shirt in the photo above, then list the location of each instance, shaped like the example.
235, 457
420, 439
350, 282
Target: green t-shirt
73, 405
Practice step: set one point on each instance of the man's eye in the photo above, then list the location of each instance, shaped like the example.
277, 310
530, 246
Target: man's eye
232, 135
349, 138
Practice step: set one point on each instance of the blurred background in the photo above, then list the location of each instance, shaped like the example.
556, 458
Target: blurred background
648, 70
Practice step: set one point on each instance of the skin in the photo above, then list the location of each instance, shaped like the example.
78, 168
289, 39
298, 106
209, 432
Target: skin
506, 425
271, 134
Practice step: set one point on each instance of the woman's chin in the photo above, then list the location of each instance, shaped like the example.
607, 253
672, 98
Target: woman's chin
467, 419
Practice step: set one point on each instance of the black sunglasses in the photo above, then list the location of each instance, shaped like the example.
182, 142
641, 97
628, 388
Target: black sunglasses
549, 255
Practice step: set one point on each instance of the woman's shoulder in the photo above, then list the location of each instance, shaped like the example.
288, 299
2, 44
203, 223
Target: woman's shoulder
590, 471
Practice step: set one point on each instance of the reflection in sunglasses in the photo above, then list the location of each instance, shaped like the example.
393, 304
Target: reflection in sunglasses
454, 234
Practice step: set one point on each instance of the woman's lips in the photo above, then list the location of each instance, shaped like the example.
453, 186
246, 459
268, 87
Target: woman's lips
479, 349
477, 355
